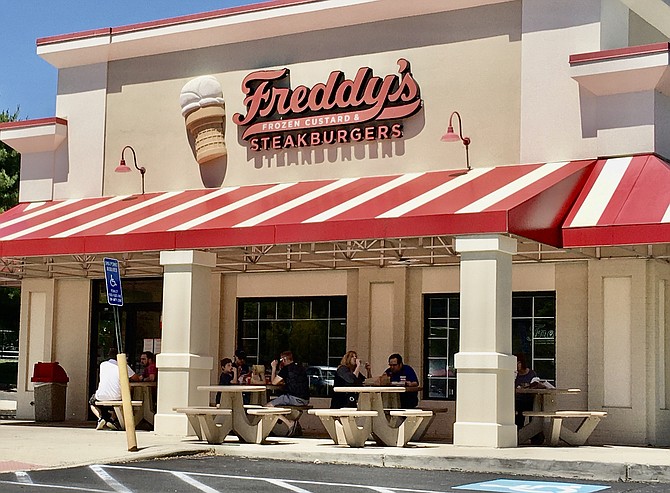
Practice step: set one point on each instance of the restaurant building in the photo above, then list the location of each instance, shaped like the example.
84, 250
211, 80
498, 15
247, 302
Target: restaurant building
292, 184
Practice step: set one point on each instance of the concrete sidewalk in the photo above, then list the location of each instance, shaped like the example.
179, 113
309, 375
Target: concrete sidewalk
27, 445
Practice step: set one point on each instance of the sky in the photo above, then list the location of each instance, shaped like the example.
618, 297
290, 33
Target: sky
27, 81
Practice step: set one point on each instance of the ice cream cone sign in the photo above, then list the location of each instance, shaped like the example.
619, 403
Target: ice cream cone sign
203, 107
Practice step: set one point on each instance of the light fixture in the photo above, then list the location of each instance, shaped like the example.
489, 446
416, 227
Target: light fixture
450, 136
123, 168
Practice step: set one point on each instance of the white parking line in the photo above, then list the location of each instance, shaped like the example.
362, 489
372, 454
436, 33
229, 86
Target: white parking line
22, 477
110, 481
380, 489
285, 485
55, 487
194, 482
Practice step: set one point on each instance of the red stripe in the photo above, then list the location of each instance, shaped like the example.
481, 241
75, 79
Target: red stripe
84, 218
649, 196
473, 190
620, 194
38, 122
329, 200
540, 185
184, 19
628, 234
53, 213
597, 169
201, 209
401, 227
629, 51
396, 196
265, 204
148, 211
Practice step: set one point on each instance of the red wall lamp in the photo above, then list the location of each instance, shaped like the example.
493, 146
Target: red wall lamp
450, 136
123, 168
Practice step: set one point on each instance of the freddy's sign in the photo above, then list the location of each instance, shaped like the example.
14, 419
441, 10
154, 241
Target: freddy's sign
338, 111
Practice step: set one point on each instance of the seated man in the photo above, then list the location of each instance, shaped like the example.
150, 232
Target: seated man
109, 389
402, 374
150, 372
296, 386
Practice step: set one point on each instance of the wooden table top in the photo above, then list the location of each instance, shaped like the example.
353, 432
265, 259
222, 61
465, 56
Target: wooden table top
394, 388
232, 388
523, 390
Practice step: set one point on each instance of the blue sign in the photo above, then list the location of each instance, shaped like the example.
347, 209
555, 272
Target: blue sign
513, 486
113, 282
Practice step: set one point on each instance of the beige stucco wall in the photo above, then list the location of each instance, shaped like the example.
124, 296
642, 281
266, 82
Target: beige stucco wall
572, 333
658, 329
55, 326
71, 340
550, 98
475, 71
619, 381
81, 100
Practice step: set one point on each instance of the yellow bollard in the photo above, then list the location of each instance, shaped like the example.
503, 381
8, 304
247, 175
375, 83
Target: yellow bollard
128, 417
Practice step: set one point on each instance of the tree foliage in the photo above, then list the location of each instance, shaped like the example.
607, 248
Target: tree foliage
9, 168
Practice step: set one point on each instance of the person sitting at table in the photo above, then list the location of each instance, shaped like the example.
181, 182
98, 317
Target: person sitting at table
401, 374
240, 363
109, 389
296, 387
150, 372
294, 380
524, 379
348, 374
228, 376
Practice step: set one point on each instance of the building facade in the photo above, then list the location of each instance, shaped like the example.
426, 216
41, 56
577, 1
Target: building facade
296, 191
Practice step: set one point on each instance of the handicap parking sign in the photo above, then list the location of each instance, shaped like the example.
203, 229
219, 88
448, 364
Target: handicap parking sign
514, 486
113, 282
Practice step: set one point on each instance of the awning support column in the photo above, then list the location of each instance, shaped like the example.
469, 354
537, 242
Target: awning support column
485, 365
184, 361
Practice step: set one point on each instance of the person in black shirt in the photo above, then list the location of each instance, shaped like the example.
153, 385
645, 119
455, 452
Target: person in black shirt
228, 376
294, 379
348, 374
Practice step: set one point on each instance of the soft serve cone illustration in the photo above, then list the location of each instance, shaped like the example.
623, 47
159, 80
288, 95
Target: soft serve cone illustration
203, 107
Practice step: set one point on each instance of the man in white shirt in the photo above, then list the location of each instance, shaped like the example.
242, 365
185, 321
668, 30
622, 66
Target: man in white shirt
109, 389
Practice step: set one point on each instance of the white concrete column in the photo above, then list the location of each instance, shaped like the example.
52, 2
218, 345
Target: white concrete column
184, 361
485, 365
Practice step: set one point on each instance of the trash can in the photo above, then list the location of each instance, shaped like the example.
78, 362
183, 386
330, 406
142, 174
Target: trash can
50, 391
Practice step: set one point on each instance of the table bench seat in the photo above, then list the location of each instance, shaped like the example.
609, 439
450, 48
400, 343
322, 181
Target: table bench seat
342, 427
413, 426
289, 424
203, 421
557, 431
263, 420
118, 410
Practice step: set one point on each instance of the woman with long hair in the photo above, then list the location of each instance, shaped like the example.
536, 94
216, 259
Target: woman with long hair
349, 374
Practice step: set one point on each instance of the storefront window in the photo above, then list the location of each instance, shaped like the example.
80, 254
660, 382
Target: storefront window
533, 334
140, 318
314, 329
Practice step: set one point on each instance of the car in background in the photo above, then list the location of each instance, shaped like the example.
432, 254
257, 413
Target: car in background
321, 380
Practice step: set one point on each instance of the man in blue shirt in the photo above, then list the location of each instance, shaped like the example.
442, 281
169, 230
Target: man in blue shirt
401, 374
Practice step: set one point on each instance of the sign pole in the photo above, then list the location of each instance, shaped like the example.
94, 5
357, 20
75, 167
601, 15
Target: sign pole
115, 299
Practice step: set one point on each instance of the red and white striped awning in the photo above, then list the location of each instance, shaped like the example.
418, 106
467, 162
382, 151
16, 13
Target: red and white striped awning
527, 200
626, 201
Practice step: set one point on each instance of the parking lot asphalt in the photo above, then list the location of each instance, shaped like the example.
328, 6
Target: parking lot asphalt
27, 445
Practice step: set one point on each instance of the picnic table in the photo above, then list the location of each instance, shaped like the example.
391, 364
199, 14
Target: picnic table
548, 419
391, 427
144, 391
251, 423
